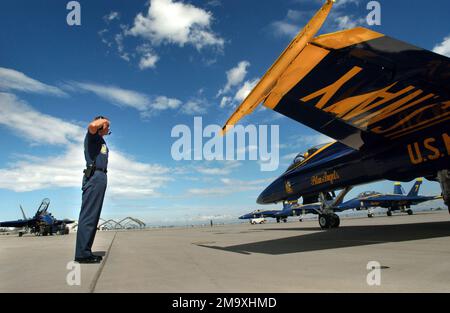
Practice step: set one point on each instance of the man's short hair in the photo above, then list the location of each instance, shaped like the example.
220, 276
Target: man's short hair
100, 117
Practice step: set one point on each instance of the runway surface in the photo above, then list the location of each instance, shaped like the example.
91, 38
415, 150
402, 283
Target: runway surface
413, 251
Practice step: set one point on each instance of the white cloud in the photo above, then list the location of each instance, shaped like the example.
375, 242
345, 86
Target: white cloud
346, 21
178, 23
34, 126
118, 38
127, 178
222, 170
148, 57
13, 80
235, 76
443, 47
147, 106
341, 3
118, 96
295, 20
214, 3
290, 26
148, 60
162, 103
244, 91
230, 186
285, 28
193, 107
225, 101
111, 16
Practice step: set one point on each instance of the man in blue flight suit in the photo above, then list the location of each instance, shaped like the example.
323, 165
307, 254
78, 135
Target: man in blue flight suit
94, 187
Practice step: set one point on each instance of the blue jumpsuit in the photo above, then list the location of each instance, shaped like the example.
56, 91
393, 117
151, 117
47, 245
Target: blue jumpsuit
93, 188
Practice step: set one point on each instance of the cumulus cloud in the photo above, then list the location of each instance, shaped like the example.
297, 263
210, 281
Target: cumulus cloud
291, 24
235, 76
127, 178
12, 80
193, 107
295, 20
148, 57
443, 47
148, 60
165, 22
245, 90
171, 22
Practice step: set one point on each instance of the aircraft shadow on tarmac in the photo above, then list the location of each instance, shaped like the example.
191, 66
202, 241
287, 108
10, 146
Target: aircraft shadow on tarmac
346, 236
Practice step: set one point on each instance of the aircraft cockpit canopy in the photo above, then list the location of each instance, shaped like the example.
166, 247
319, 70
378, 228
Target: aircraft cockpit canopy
368, 194
304, 155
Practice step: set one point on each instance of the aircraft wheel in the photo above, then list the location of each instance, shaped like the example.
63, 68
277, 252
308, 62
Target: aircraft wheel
370, 215
324, 221
389, 213
278, 219
284, 220
410, 212
20, 234
335, 221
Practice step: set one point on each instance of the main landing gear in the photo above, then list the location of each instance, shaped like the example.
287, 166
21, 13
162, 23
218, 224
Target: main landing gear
327, 218
327, 221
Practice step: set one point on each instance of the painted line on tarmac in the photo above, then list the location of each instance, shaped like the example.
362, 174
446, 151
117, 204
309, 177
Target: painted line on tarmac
100, 270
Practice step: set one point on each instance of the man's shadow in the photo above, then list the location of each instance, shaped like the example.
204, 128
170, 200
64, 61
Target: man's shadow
346, 236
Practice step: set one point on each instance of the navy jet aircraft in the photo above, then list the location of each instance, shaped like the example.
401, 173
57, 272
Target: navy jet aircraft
293, 208
260, 214
42, 224
385, 102
393, 202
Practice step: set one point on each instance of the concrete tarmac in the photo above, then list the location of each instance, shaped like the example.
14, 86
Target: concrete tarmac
413, 251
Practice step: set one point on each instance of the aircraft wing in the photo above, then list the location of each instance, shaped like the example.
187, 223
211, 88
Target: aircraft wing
65, 221
18, 224
359, 87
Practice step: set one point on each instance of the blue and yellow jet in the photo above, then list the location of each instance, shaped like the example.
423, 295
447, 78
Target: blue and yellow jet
392, 202
385, 102
43, 223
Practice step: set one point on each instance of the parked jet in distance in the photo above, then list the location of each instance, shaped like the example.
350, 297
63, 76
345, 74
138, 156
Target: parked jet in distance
295, 209
386, 102
393, 202
42, 224
260, 214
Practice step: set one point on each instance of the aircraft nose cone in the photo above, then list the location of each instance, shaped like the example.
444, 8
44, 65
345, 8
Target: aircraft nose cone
273, 193
261, 198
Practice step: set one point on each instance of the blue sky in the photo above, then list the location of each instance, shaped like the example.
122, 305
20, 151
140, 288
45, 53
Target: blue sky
148, 66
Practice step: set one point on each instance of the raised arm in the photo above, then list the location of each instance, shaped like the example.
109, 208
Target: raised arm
94, 126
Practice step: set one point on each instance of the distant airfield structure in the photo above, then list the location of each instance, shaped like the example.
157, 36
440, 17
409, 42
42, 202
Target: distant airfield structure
125, 223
